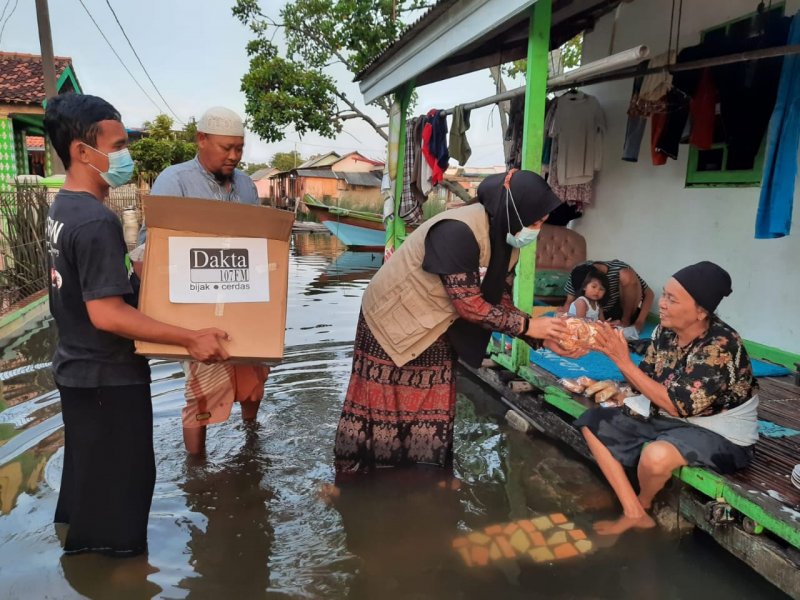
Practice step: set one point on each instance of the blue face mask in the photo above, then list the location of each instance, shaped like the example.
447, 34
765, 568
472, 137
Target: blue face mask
525, 235
120, 167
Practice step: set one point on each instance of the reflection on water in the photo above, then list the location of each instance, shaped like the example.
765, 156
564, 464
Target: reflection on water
248, 522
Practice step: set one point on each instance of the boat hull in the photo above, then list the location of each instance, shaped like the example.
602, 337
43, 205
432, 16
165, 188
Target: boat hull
357, 234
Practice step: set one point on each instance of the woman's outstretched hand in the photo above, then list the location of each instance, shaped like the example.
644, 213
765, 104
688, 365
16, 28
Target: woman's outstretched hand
547, 329
559, 349
612, 343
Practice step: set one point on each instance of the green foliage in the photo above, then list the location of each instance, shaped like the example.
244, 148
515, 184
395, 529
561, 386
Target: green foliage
294, 90
285, 161
571, 53
162, 147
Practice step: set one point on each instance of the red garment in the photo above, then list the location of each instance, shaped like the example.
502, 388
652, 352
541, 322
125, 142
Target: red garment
437, 174
703, 112
657, 123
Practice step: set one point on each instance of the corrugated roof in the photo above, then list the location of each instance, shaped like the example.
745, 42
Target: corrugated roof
408, 34
503, 43
326, 160
22, 78
362, 179
319, 173
263, 173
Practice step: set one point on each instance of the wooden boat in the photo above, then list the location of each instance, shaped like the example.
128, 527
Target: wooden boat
358, 230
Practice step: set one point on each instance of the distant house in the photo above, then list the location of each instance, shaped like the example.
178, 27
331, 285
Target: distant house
22, 142
331, 178
263, 183
469, 178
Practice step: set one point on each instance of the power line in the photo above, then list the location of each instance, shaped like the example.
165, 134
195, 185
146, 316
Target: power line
8, 18
119, 58
5, 8
155, 87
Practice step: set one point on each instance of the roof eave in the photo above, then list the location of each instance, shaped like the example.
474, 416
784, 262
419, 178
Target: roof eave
461, 24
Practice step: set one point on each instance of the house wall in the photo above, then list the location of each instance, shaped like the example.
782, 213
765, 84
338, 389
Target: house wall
8, 157
319, 187
646, 215
263, 188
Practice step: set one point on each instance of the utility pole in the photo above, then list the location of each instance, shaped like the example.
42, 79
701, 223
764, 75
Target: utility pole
48, 66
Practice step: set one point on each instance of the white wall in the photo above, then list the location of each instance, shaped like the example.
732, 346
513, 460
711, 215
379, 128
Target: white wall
646, 215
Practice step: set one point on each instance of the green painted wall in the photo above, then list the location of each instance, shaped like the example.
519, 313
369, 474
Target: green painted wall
8, 160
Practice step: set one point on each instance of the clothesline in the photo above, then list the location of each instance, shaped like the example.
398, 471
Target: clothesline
631, 73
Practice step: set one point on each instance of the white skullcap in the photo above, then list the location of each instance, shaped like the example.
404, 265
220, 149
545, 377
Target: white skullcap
219, 120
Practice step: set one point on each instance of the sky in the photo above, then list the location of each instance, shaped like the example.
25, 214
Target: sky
194, 50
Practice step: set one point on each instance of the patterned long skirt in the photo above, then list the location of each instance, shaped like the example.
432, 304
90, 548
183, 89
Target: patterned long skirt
395, 416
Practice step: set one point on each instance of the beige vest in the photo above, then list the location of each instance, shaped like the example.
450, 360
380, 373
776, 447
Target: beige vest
407, 308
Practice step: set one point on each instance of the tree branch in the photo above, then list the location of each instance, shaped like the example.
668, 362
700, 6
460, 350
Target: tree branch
362, 114
457, 189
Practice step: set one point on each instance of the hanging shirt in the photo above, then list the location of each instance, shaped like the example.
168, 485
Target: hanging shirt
774, 217
578, 127
459, 145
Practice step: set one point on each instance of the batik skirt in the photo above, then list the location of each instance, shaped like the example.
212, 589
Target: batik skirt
393, 415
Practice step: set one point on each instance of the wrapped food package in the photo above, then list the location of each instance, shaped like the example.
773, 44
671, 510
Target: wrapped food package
581, 336
600, 385
605, 394
571, 385
585, 381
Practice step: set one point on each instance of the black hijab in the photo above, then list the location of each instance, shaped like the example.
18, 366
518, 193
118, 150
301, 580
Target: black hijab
534, 199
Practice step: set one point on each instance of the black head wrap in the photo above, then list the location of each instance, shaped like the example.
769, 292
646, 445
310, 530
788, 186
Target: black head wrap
706, 282
534, 200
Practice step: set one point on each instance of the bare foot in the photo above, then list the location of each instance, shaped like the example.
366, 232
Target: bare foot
624, 524
453, 484
329, 493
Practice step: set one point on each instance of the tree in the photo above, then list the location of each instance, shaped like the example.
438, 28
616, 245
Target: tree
296, 89
162, 147
284, 161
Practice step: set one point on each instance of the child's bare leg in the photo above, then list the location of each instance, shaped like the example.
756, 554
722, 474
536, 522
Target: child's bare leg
194, 438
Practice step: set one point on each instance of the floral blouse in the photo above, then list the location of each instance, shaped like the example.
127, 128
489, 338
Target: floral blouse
709, 376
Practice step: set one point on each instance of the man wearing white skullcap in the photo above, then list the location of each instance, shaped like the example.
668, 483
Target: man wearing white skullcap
211, 390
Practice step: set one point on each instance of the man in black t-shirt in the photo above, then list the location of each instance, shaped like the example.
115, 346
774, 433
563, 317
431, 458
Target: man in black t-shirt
109, 467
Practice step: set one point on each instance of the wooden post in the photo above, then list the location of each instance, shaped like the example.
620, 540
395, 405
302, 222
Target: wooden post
48, 67
532, 141
396, 229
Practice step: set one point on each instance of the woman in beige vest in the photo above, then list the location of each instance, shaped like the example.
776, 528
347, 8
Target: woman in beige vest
428, 306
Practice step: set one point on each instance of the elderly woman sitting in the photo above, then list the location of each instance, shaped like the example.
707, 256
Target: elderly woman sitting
702, 405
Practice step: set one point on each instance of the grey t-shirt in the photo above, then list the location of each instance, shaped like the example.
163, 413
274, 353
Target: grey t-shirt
191, 180
88, 260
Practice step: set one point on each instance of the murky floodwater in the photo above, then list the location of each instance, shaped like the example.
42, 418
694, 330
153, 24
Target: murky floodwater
248, 521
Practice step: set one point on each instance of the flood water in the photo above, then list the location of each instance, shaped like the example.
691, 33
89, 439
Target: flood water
248, 522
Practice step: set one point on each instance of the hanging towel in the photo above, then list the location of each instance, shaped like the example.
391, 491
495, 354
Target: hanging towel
410, 208
459, 146
394, 139
774, 216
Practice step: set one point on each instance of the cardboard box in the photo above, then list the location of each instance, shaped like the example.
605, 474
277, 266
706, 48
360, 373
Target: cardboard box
217, 264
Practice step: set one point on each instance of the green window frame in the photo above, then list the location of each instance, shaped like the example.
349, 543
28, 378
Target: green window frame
696, 176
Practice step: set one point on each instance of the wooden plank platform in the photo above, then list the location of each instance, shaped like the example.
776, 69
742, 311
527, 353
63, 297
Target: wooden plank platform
763, 493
